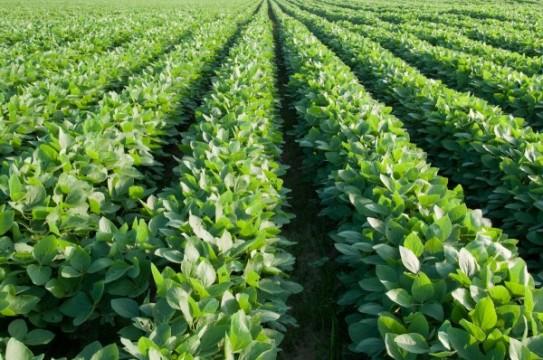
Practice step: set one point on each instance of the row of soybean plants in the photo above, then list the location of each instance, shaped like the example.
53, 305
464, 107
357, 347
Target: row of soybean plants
494, 156
22, 63
512, 35
514, 91
66, 94
221, 287
525, 18
39, 31
443, 35
76, 239
506, 36
427, 276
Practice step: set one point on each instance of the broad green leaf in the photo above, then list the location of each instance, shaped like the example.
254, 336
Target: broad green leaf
6, 221
419, 324
79, 259
464, 344
474, 330
413, 343
413, 243
39, 337
16, 350
517, 351
422, 288
110, 352
136, 192
409, 260
116, 271
76, 305
484, 314
499, 294
388, 324
393, 350
39, 274
467, 262
125, 307
45, 250
16, 188
400, 297
239, 334
369, 346
18, 329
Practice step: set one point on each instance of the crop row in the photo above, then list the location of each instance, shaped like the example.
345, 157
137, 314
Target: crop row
76, 246
525, 18
515, 35
505, 37
221, 287
514, 91
65, 96
496, 157
427, 275
442, 35
437, 34
55, 66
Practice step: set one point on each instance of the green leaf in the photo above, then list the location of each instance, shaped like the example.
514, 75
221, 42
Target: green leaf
97, 291
422, 288
16, 350
89, 350
369, 346
110, 352
499, 294
315, 111
387, 276
434, 246
445, 226
535, 344
413, 243
393, 350
6, 221
136, 192
400, 297
409, 260
206, 274
116, 271
517, 351
45, 250
474, 330
77, 305
69, 272
519, 272
413, 343
467, 262
125, 307
76, 197
239, 335
419, 324
38, 274
16, 188
464, 344
434, 310
199, 229
99, 264
484, 314
388, 324
39, 337
18, 329
79, 259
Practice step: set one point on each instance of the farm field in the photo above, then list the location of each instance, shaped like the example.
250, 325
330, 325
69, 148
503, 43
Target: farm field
271, 179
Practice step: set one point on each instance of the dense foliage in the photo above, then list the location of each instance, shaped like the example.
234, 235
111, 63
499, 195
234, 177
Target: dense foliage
142, 197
